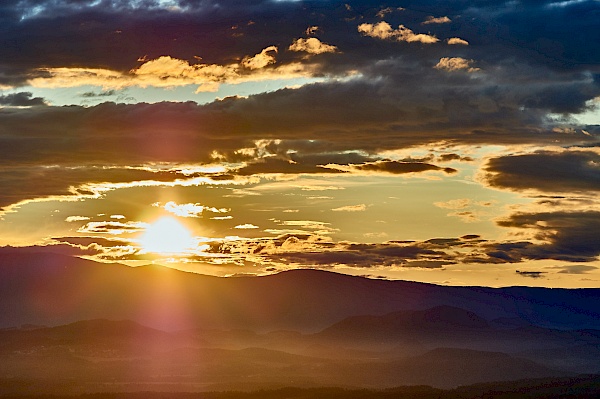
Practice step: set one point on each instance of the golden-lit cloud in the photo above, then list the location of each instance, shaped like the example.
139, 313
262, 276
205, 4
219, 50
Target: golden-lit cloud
466, 209
457, 40
260, 60
222, 217
433, 20
167, 71
189, 210
455, 64
383, 30
72, 219
388, 10
351, 208
460, 203
312, 45
246, 226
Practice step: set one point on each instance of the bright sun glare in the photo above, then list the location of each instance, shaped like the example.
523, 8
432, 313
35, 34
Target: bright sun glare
167, 236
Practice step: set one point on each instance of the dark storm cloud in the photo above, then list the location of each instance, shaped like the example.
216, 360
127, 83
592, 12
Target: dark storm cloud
357, 116
22, 99
565, 235
395, 167
397, 98
113, 34
549, 171
29, 182
453, 157
330, 119
331, 163
530, 274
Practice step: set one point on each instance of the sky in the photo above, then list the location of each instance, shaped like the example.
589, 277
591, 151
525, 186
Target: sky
450, 142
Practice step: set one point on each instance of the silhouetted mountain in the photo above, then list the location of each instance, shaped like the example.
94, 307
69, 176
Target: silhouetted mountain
91, 337
440, 319
453, 367
101, 354
51, 289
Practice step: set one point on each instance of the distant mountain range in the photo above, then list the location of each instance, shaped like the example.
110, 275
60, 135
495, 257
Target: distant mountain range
113, 328
51, 289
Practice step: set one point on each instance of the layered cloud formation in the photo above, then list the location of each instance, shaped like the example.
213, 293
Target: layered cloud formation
501, 96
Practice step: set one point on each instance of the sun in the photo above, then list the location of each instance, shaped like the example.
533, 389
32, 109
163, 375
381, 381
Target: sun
167, 236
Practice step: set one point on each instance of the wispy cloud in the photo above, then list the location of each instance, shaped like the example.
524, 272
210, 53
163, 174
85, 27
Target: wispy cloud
351, 208
436, 20
246, 226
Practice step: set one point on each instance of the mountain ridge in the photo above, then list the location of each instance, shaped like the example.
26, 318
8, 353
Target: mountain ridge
50, 289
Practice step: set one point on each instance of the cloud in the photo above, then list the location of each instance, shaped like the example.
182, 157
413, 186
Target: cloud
260, 60
460, 203
311, 30
93, 94
312, 45
455, 64
190, 210
433, 20
393, 100
246, 226
222, 217
71, 219
467, 210
22, 99
530, 274
351, 208
32, 140
388, 10
457, 40
204, 29
276, 165
392, 167
576, 269
547, 171
562, 235
383, 30
167, 71
115, 228
314, 250
454, 157
31, 181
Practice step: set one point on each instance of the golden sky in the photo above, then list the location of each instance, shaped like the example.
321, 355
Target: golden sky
448, 144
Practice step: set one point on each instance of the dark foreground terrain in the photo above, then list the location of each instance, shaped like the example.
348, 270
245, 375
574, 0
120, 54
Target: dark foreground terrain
582, 387
443, 347
83, 327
